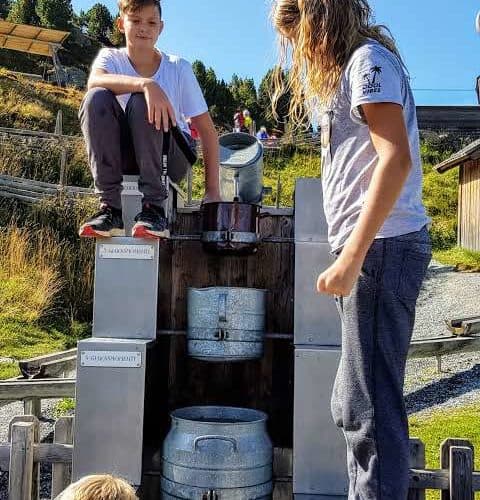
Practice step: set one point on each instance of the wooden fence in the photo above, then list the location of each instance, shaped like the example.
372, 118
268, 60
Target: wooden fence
31, 191
456, 478
24, 453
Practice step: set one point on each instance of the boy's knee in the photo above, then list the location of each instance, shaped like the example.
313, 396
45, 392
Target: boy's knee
97, 99
137, 106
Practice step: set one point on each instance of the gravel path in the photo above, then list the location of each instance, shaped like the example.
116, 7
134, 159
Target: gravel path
446, 294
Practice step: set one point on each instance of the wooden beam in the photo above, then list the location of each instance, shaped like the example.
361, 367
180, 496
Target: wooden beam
21, 461
62, 472
448, 117
417, 461
441, 346
32, 367
44, 389
461, 473
50, 453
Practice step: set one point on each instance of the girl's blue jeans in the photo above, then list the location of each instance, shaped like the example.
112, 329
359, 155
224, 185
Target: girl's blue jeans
367, 400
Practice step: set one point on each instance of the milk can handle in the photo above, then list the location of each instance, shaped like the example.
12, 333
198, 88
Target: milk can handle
222, 308
220, 438
236, 187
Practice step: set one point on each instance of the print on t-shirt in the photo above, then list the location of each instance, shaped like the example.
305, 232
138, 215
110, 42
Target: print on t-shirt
371, 84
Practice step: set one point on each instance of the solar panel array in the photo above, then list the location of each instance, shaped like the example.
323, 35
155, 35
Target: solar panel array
30, 39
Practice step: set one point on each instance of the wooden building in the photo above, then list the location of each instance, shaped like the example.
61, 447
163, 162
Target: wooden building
468, 160
463, 119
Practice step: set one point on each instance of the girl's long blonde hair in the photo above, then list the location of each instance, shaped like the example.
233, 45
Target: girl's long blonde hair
317, 38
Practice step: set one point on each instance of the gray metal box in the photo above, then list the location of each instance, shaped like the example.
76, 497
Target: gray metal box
131, 201
319, 449
316, 318
310, 222
109, 414
126, 288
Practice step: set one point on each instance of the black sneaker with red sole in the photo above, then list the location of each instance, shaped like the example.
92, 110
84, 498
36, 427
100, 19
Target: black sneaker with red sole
107, 223
151, 223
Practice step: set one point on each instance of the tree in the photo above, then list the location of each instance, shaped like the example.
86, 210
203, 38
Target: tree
23, 12
116, 37
80, 19
99, 22
200, 72
220, 101
4, 8
265, 93
245, 94
57, 14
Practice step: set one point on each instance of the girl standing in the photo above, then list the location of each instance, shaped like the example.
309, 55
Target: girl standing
372, 186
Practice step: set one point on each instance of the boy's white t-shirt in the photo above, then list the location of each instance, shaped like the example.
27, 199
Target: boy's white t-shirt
174, 75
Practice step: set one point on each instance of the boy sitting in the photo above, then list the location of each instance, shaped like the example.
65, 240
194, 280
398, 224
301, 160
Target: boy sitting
135, 94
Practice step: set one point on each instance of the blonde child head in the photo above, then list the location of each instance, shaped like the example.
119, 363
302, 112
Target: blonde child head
317, 38
99, 487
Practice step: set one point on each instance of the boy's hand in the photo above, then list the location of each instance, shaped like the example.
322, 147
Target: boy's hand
340, 277
160, 111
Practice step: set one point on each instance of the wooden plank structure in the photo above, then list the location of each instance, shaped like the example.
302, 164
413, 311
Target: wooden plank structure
265, 384
31, 39
468, 159
449, 118
456, 479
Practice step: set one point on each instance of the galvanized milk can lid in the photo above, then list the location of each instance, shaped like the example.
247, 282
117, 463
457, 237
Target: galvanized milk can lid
238, 150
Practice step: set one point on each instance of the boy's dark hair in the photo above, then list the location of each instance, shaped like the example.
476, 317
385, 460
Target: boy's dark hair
133, 5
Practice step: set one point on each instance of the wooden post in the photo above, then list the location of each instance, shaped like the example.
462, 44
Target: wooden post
279, 191
439, 363
62, 473
445, 459
21, 461
461, 473
32, 406
417, 461
63, 152
189, 185
29, 419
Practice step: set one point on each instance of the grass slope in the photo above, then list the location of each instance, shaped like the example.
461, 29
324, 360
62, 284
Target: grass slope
30, 285
33, 105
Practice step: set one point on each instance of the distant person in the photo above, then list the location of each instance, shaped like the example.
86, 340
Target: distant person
247, 122
238, 121
99, 487
262, 134
377, 224
193, 131
136, 95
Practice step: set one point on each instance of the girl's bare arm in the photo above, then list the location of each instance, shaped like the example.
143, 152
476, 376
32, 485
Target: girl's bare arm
390, 140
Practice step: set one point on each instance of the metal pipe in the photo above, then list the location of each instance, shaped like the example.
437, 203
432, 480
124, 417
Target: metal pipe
197, 237
181, 333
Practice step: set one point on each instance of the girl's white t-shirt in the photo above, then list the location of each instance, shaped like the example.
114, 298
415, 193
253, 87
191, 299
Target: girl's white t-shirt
372, 75
174, 75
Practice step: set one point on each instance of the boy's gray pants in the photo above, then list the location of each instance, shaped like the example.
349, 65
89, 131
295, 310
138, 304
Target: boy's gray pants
367, 400
121, 142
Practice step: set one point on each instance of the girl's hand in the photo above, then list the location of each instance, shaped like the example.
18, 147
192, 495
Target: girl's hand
340, 277
160, 111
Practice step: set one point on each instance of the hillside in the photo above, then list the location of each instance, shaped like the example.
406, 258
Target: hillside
34, 105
